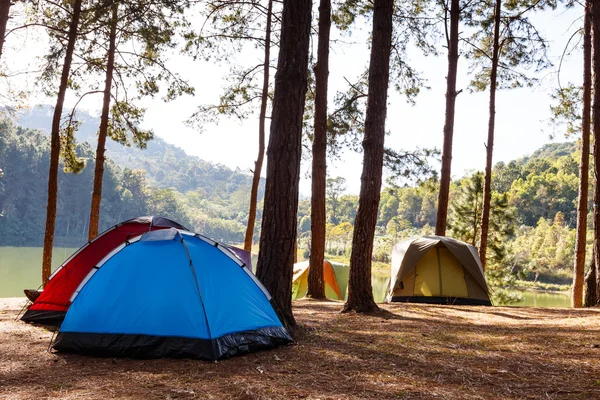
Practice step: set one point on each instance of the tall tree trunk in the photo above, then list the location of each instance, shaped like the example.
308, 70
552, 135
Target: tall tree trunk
591, 298
4, 9
443, 198
316, 284
279, 222
360, 291
55, 146
475, 215
103, 132
584, 163
296, 249
487, 181
261, 135
595, 21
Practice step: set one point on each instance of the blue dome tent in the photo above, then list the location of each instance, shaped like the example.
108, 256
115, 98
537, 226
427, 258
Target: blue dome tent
170, 293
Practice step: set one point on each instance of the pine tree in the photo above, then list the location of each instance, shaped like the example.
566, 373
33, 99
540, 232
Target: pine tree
128, 23
104, 121
465, 217
595, 22
55, 146
451, 93
264, 98
504, 47
4, 12
228, 28
278, 232
360, 292
489, 147
582, 202
346, 123
316, 285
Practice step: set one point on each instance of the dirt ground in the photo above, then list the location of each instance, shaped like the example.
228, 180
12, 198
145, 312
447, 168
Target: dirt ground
408, 352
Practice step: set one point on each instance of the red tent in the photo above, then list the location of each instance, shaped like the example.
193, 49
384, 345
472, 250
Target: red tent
52, 304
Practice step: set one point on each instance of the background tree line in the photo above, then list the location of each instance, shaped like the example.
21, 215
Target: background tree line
540, 190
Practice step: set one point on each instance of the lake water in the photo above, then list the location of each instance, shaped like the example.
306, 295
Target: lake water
20, 268
544, 299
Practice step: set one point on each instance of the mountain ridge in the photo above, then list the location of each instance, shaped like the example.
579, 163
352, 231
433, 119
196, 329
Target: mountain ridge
191, 171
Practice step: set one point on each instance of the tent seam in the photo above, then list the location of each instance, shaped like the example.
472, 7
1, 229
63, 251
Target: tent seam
215, 356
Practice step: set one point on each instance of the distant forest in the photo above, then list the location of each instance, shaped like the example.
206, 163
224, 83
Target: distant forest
534, 199
160, 180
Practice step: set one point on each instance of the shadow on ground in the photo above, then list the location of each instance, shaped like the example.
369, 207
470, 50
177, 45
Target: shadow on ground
408, 351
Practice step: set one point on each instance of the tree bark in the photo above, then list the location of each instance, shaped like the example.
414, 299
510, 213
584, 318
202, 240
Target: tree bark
4, 10
475, 215
595, 22
591, 298
261, 135
55, 146
296, 249
584, 163
487, 181
443, 198
316, 284
279, 222
103, 132
360, 291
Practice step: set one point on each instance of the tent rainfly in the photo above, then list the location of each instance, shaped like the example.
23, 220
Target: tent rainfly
52, 303
437, 270
330, 278
170, 293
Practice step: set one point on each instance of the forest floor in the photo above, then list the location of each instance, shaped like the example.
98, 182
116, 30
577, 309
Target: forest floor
408, 351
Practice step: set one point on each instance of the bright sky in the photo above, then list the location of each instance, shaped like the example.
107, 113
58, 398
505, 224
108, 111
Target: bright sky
521, 115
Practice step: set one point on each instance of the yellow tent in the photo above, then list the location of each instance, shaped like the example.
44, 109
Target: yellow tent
439, 270
300, 281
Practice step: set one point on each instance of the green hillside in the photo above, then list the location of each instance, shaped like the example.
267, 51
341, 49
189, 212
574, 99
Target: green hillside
161, 180
553, 151
166, 165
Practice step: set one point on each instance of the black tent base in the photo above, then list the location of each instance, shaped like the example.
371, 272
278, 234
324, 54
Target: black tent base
44, 317
456, 301
148, 346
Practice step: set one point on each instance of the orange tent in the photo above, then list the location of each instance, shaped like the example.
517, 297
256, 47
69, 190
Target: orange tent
300, 281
